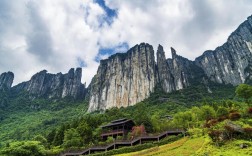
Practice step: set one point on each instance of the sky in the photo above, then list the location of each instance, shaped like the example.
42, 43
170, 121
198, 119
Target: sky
57, 35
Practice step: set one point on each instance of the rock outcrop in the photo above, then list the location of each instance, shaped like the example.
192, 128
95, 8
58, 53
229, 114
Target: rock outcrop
59, 85
165, 77
124, 79
6, 80
177, 72
230, 63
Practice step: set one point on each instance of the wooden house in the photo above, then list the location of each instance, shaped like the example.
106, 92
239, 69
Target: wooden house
120, 127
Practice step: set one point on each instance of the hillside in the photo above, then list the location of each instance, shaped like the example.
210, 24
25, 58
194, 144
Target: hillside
41, 115
74, 121
195, 146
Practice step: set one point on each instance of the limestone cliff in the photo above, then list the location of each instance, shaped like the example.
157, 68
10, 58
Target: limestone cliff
47, 85
124, 79
6, 80
165, 76
230, 63
177, 72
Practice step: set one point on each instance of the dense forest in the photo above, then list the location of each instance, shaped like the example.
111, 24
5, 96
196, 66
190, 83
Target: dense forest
43, 127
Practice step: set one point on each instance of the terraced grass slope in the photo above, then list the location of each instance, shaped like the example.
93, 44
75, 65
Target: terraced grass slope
196, 146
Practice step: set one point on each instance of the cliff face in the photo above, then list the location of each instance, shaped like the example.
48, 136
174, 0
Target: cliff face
124, 79
230, 63
177, 72
165, 76
6, 80
59, 85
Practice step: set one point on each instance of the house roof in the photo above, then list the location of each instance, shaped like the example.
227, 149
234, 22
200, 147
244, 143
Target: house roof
118, 122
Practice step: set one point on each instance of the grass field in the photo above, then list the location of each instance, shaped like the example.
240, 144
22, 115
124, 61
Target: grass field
201, 146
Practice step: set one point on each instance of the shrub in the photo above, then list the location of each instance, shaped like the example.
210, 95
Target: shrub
250, 110
212, 122
24, 148
110, 140
234, 116
222, 118
126, 149
222, 111
248, 131
195, 132
138, 131
215, 135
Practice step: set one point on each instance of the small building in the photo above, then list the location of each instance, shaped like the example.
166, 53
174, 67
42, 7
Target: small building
120, 127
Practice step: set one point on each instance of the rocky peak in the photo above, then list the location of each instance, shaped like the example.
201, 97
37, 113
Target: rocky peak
231, 62
59, 85
72, 83
165, 77
174, 53
6, 80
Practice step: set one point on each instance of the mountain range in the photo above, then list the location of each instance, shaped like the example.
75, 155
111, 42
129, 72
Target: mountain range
125, 79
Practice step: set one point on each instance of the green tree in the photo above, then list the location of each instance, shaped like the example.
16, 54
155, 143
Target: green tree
85, 132
244, 91
184, 119
142, 116
50, 136
59, 137
24, 148
72, 138
207, 112
222, 111
41, 139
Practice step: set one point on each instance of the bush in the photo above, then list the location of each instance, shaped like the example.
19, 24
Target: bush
234, 116
215, 135
248, 132
222, 111
250, 110
110, 140
24, 148
138, 131
119, 138
195, 132
126, 149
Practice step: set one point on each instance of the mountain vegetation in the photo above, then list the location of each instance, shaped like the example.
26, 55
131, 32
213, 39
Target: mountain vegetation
62, 125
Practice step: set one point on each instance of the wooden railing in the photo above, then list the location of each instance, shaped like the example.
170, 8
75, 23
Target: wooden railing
111, 132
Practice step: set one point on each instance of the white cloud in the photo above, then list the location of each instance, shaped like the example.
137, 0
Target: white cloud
55, 34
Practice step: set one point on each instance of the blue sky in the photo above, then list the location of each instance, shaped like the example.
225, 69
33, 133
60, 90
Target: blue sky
57, 35
110, 13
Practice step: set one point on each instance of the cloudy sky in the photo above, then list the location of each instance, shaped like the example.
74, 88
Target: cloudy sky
57, 35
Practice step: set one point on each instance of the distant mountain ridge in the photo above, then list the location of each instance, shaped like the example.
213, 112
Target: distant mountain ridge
46, 85
125, 79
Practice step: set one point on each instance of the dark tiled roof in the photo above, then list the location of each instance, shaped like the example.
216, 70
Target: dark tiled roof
118, 122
